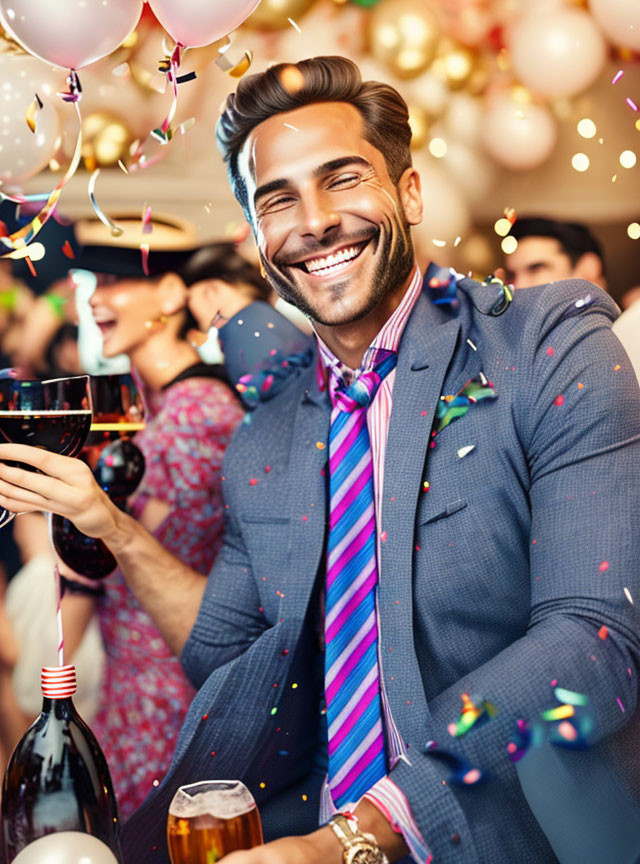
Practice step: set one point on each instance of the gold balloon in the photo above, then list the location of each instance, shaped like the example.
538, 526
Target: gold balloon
106, 140
419, 122
275, 14
455, 65
404, 34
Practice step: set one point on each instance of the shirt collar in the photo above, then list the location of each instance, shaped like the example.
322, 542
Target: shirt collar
388, 338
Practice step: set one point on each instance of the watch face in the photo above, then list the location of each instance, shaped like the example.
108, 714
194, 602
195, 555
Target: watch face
365, 854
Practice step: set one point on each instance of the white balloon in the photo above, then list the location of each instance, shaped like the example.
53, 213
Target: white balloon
446, 214
519, 137
464, 118
194, 23
22, 152
557, 52
66, 847
619, 20
70, 33
471, 170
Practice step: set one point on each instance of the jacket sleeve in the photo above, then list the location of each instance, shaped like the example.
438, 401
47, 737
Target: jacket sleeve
578, 422
229, 620
262, 351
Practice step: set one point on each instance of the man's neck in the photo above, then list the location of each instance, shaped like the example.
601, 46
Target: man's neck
349, 342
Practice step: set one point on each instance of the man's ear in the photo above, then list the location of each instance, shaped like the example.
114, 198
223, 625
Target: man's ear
410, 192
173, 294
589, 267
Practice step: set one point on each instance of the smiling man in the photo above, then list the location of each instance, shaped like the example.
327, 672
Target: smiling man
431, 534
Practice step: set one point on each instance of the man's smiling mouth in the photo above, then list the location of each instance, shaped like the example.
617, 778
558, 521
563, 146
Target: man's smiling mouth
334, 262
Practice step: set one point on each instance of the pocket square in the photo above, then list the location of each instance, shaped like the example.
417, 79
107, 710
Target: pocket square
454, 407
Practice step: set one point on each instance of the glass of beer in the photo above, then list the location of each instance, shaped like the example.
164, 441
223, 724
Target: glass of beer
211, 819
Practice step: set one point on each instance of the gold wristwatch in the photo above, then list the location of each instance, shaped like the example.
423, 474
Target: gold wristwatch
358, 848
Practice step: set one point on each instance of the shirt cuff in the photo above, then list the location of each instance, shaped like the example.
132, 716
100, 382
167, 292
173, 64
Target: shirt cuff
391, 802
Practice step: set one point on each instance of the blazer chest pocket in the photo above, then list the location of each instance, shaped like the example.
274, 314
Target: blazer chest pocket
264, 519
443, 513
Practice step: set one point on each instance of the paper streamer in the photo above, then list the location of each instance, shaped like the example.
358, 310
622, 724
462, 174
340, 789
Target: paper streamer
116, 230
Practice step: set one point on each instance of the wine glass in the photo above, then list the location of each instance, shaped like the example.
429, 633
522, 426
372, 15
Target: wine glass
54, 415
117, 464
210, 819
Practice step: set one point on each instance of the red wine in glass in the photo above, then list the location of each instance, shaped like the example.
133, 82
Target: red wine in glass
117, 464
53, 415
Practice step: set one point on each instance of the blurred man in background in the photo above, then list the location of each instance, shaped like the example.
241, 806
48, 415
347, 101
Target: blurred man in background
550, 250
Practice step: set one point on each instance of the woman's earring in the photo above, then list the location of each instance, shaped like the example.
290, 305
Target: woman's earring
161, 319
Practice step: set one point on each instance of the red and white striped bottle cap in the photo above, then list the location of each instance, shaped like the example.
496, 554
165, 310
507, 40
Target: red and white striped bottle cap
59, 682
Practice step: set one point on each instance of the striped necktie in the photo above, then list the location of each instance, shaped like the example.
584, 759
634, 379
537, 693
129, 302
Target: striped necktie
352, 678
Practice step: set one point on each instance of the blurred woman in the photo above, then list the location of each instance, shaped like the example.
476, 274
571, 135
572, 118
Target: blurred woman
191, 414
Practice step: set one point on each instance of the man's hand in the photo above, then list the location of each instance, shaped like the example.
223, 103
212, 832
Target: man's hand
64, 486
321, 847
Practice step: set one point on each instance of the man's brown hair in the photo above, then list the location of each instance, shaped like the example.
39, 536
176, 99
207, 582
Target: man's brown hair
286, 87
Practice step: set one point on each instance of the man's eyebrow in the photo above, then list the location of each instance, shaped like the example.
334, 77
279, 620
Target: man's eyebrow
325, 168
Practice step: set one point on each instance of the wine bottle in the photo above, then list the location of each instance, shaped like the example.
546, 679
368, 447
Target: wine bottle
57, 779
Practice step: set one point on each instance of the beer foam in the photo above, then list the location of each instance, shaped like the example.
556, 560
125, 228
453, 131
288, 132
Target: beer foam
222, 799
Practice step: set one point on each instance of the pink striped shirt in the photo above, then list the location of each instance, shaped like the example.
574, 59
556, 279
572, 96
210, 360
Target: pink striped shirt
389, 799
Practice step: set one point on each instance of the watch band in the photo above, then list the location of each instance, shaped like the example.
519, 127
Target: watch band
358, 848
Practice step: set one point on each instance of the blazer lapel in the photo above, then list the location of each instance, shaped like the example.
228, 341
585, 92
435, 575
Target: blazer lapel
426, 352
305, 487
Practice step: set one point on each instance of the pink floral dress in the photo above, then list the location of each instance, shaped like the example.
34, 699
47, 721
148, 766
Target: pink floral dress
146, 695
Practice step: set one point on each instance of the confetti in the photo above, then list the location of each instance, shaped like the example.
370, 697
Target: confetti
619, 701
32, 113
627, 594
604, 567
569, 696
121, 70
559, 400
550, 351
294, 25
632, 104
471, 345
603, 632
618, 76
147, 224
144, 251
67, 250
464, 451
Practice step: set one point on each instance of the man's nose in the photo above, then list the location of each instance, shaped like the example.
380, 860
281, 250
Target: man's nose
318, 214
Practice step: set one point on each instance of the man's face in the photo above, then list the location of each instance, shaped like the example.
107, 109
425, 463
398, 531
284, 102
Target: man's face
537, 261
332, 228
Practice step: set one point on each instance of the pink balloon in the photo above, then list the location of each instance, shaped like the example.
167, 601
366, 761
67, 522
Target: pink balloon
194, 23
70, 33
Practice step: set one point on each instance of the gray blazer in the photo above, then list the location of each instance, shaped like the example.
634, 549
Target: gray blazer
495, 582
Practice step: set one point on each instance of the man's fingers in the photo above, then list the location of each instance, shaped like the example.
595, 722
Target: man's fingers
49, 463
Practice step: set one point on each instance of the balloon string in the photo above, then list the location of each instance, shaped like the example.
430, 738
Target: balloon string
170, 65
21, 238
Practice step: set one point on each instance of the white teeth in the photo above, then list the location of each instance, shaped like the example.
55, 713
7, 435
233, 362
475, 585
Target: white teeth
321, 265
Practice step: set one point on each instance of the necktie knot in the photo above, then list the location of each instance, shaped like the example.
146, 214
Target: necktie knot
361, 392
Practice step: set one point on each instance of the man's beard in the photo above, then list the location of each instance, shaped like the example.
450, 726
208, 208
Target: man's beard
395, 262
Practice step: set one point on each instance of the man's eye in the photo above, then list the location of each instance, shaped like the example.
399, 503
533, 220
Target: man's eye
276, 204
345, 181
